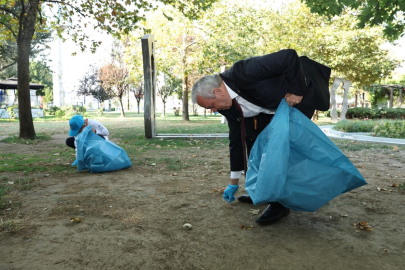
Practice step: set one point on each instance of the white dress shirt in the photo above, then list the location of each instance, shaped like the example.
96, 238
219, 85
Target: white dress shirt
248, 110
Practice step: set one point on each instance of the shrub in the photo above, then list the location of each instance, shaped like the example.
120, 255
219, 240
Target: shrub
80, 109
387, 129
100, 112
383, 113
395, 129
391, 113
355, 126
361, 113
10, 111
60, 113
51, 110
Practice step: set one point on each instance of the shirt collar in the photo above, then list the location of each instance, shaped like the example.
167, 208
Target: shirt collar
231, 92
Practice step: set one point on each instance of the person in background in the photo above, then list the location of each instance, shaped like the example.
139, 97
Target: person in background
77, 123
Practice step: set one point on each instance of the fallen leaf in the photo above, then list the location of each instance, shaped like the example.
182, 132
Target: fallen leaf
73, 219
344, 215
395, 148
10, 183
363, 226
194, 155
243, 227
56, 154
221, 190
254, 211
394, 185
153, 164
8, 209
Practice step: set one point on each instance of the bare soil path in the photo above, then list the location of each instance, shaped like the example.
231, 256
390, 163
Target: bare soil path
133, 218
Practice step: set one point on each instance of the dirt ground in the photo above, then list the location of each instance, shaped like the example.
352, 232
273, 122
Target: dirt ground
133, 219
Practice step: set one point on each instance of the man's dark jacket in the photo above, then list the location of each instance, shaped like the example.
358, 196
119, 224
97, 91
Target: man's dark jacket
265, 80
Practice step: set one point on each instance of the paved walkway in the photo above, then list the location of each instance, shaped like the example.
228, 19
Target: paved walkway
364, 137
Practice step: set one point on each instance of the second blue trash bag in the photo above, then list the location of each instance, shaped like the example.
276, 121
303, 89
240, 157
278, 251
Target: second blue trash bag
294, 163
98, 155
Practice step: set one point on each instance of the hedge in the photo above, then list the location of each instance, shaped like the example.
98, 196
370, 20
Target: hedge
369, 113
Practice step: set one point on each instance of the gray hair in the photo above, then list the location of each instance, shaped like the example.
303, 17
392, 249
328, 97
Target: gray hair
205, 86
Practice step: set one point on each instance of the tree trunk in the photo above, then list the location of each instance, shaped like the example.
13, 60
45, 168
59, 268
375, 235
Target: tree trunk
164, 109
27, 29
185, 99
355, 100
128, 102
138, 101
185, 89
122, 108
315, 117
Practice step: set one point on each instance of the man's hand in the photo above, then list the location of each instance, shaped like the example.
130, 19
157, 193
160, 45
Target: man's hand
229, 192
293, 99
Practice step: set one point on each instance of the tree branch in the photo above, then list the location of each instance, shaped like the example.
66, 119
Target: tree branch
9, 28
9, 11
192, 43
64, 3
3, 68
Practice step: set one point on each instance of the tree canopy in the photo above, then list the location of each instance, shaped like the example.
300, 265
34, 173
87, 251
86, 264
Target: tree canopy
386, 13
22, 19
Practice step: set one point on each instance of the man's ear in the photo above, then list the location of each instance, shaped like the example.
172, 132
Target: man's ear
218, 92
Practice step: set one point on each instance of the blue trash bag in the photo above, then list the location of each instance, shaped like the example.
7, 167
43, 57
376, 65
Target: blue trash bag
98, 155
294, 163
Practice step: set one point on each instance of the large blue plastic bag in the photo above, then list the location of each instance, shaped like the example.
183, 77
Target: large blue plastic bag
294, 163
99, 155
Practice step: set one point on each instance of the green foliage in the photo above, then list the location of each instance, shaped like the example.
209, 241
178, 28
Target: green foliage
41, 73
16, 140
51, 110
370, 13
361, 113
100, 112
394, 129
11, 111
387, 129
375, 113
355, 126
79, 109
60, 113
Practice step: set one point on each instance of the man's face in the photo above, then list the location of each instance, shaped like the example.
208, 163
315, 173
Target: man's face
222, 101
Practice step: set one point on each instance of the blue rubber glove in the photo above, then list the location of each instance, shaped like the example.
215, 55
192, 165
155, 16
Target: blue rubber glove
74, 163
229, 192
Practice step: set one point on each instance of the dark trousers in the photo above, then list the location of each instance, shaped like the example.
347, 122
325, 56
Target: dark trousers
70, 141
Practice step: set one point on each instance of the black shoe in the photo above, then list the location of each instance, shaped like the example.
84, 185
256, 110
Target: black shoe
273, 213
245, 199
